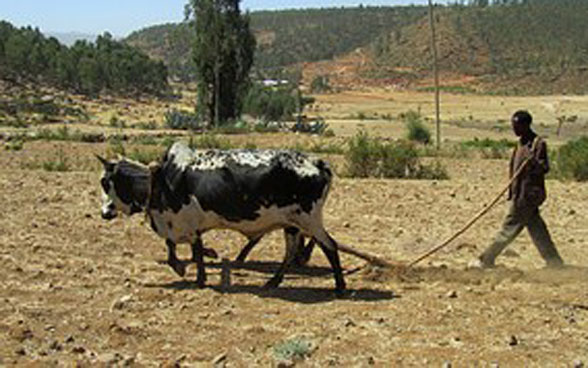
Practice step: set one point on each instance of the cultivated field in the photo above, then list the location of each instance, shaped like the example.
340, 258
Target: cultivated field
77, 289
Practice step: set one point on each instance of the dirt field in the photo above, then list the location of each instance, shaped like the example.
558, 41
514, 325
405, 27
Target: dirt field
77, 289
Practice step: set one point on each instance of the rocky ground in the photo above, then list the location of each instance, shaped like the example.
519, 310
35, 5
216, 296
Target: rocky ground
78, 290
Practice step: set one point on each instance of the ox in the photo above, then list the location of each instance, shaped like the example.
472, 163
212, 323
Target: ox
249, 191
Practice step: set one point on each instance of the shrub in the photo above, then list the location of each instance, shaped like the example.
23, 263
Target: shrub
417, 131
116, 122
572, 160
320, 84
150, 125
488, 148
60, 163
14, 145
295, 349
209, 141
145, 156
369, 157
179, 119
362, 156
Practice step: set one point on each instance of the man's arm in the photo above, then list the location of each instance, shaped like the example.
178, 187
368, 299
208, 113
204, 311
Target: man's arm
540, 161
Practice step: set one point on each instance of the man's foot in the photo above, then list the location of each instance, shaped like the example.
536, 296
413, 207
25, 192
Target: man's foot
479, 263
555, 263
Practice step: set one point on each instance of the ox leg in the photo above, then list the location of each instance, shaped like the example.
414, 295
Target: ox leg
198, 257
304, 252
178, 266
248, 247
329, 247
207, 252
292, 236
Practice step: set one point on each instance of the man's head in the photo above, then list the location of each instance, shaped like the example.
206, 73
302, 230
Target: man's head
125, 187
521, 122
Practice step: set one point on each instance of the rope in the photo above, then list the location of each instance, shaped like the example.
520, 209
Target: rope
480, 214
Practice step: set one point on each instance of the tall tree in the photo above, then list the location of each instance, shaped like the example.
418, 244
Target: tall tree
223, 54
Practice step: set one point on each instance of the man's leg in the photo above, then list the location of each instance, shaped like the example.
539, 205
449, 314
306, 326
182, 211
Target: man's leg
511, 227
542, 240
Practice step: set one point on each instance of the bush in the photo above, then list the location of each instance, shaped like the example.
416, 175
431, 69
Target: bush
572, 160
489, 148
209, 141
417, 131
179, 119
60, 163
369, 157
320, 84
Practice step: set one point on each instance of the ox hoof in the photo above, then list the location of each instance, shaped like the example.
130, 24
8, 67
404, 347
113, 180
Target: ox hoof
272, 284
200, 283
179, 267
210, 253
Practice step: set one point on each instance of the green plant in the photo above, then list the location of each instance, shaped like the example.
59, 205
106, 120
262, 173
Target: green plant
369, 157
209, 141
116, 122
14, 145
150, 125
488, 148
572, 160
320, 84
330, 148
179, 119
144, 156
59, 164
296, 348
417, 131
362, 156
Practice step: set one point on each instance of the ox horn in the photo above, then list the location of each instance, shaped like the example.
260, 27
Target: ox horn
105, 162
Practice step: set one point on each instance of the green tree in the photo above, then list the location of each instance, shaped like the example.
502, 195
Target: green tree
223, 53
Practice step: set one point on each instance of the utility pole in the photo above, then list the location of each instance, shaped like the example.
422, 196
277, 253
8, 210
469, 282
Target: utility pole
436, 73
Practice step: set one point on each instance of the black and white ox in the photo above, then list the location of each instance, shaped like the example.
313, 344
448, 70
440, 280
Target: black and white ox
250, 191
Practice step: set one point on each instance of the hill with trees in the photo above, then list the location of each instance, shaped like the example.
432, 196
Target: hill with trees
500, 46
27, 56
285, 37
510, 46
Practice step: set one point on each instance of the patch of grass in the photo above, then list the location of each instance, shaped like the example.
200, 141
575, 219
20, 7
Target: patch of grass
147, 140
59, 164
329, 148
417, 131
14, 145
150, 125
368, 157
209, 141
250, 146
145, 156
488, 148
462, 90
116, 122
180, 119
63, 133
293, 349
571, 160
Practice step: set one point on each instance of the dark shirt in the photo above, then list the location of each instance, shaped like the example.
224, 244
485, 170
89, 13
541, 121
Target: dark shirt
529, 188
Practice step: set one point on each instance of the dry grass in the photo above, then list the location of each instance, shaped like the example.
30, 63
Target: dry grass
77, 289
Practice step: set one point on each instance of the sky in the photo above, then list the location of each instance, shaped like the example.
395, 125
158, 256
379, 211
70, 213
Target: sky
120, 17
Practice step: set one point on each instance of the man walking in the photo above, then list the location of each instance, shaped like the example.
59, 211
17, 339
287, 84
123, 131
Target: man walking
526, 194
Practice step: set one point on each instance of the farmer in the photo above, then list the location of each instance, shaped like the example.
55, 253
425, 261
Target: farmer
526, 194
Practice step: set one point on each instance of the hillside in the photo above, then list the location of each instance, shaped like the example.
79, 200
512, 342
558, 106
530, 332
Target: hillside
286, 37
538, 47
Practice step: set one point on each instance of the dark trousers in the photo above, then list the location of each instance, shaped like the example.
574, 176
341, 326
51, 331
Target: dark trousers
516, 220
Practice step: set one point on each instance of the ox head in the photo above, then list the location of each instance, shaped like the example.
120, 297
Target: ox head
125, 187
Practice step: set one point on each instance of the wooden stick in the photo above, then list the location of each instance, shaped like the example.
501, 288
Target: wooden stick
473, 220
375, 260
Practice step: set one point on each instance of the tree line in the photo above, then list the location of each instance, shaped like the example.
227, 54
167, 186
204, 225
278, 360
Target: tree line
284, 37
26, 55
